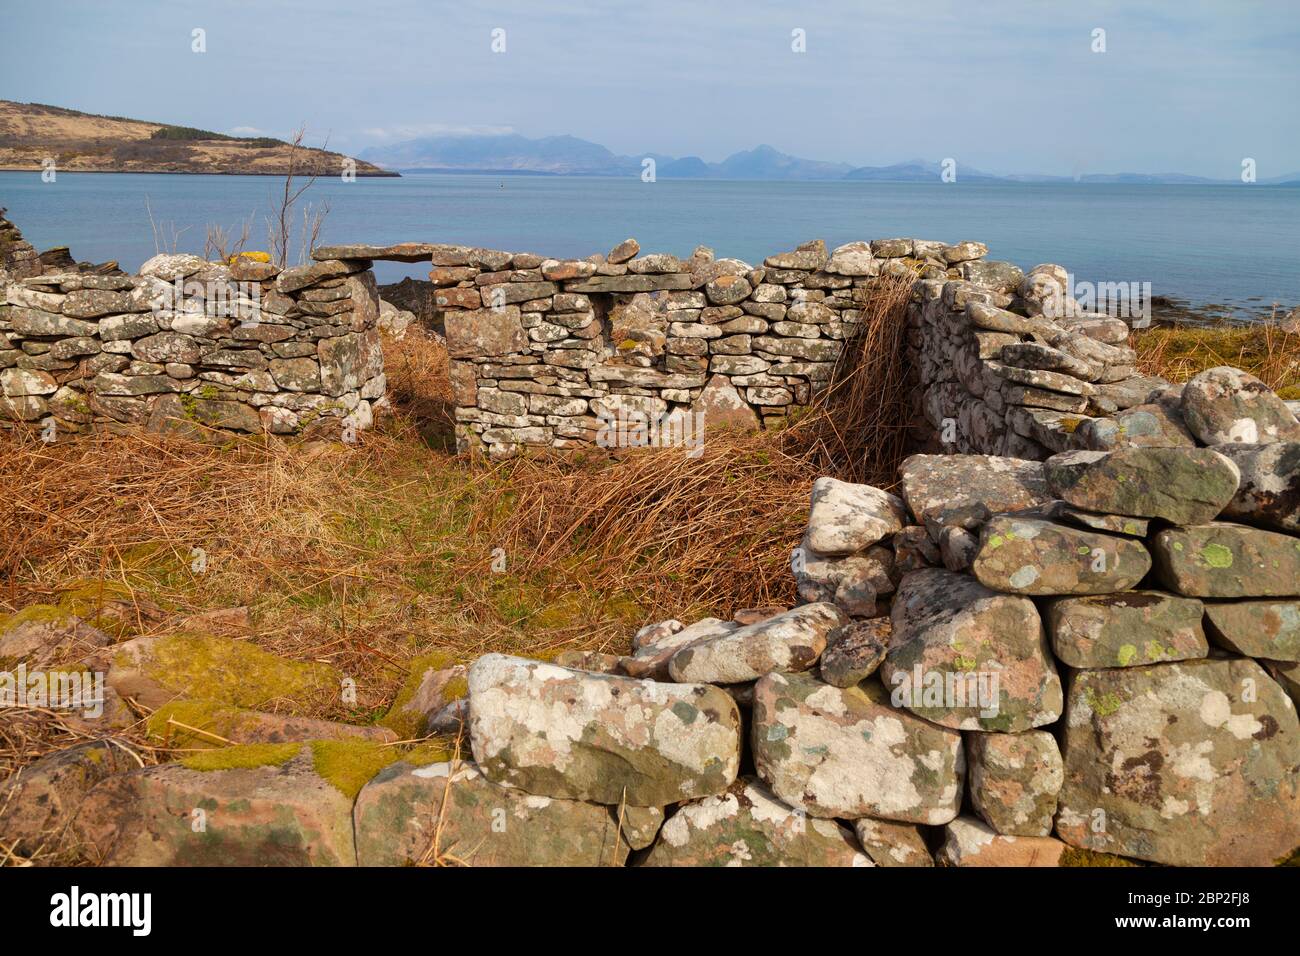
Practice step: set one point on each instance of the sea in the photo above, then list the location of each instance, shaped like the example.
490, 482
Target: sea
1235, 248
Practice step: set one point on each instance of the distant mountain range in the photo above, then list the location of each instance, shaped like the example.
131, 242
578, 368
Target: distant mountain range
570, 156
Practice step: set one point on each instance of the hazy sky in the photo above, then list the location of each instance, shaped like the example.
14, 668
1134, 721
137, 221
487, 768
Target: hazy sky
1006, 85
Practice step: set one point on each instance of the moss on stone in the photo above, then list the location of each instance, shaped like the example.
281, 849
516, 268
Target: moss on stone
36, 614
242, 757
348, 765
203, 667
215, 717
1078, 856
407, 724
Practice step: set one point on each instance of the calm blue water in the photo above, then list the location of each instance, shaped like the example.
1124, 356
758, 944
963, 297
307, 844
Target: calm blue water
1207, 244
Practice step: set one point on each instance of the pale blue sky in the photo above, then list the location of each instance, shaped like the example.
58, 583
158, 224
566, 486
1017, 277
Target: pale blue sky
1007, 85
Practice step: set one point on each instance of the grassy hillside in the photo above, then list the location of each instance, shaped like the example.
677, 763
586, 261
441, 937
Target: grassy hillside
83, 142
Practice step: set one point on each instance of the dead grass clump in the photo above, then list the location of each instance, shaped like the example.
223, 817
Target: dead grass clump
860, 429
1268, 350
416, 367
368, 556
714, 533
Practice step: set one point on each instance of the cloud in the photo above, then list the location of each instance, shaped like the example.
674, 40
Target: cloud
416, 130
247, 131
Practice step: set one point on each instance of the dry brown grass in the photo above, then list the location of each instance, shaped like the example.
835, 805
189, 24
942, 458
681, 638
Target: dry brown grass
370, 555
1268, 350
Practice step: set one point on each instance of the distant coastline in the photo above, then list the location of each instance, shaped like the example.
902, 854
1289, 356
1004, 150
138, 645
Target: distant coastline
35, 137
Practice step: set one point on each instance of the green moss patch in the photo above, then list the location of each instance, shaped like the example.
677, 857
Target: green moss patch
407, 724
348, 765
242, 757
203, 667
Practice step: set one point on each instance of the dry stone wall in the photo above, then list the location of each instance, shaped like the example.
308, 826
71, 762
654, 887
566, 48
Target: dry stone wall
1006, 364
605, 350
240, 347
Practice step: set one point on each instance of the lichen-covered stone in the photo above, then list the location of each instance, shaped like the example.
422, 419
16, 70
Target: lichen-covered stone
1115, 524
846, 753
572, 734
888, 843
269, 807
749, 826
651, 657
1225, 404
969, 658
846, 518
1126, 630
933, 483
1014, 780
1032, 556
476, 822
1178, 485
1155, 425
854, 651
971, 842
790, 641
1221, 560
1194, 763
723, 407
1267, 629
1269, 491
481, 333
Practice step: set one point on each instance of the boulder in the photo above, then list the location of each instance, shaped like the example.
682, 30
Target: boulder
933, 483
969, 658
749, 826
892, 844
650, 659
1221, 560
1157, 425
1268, 493
198, 724
970, 842
1266, 629
791, 641
255, 805
1178, 485
38, 801
1032, 556
846, 518
722, 406
1195, 763
854, 651
1225, 404
845, 752
157, 670
41, 633
563, 733
402, 812
478, 333
1014, 780
1126, 630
